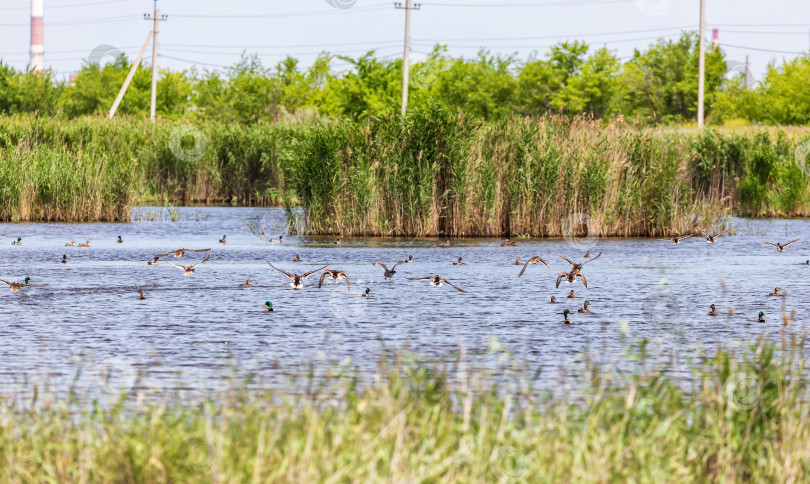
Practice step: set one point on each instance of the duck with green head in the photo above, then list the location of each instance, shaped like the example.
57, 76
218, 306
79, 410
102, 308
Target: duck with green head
64, 259
120, 240
154, 261
16, 286
761, 318
269, 307
566, 320
17, 242
367, 293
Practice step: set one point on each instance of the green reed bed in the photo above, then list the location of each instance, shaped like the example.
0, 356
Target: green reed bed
434, 173
743, 419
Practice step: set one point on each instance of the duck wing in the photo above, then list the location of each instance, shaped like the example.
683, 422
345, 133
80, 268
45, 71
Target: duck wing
11, 284
419, 278
346, 278
184, 268
562, 275
794, 240
591, 259
323, 276
584, 281
378, 264
291, 276
567, 259
304, 276
451, 285
534, 260
198, 263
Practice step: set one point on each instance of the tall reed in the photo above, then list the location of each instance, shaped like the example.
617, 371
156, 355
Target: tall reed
743, 419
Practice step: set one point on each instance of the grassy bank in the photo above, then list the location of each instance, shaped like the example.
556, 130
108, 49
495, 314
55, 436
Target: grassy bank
437, 173
744, 419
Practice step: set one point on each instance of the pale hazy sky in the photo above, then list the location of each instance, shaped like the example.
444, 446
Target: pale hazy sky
213, 34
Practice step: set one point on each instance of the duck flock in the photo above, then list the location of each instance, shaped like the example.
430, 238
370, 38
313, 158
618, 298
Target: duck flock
297, 281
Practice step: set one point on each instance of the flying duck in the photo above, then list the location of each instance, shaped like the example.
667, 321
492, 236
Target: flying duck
190, 269
16, 286
436, 281
297, 281
532, 261
676, 239
335, 275
389, 273
781, 247
576, 271
180, 252
710, 237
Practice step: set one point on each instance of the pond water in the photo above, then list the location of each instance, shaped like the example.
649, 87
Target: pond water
191, 332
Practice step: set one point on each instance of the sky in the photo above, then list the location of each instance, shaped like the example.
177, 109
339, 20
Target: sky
214, 35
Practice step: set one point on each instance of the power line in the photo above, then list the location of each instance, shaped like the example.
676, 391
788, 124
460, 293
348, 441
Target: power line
762, 50
311, 13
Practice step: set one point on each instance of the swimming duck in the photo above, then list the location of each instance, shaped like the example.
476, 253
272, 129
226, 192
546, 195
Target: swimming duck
566, 320
154, 261
120, 240
337, 241
141, 297
508, 243
72, 243
517, 261
367, 293
279, 240
761, 318
446, 243
16, 286
180, 252
571, 295
805, 263
389, 273
245, 284
297, 281
409, 260
223, 239
335, 275
713, 312
584, 308
776, 292
190, 269
553, 300
459, 262
269, 307
64, 259
17, 242
436, 281
710, 237
587, 254
781, 247
676, 239
297, 259
86, 244
576, 271
532, 261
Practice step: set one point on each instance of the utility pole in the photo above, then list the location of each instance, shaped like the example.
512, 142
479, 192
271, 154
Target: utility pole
701, 63
155, 17
406, 57
746, 72
131, 74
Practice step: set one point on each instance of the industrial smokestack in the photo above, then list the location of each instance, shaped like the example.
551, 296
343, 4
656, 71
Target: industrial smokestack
37, 39
715, 38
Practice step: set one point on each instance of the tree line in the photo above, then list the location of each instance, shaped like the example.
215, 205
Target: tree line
657, 85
